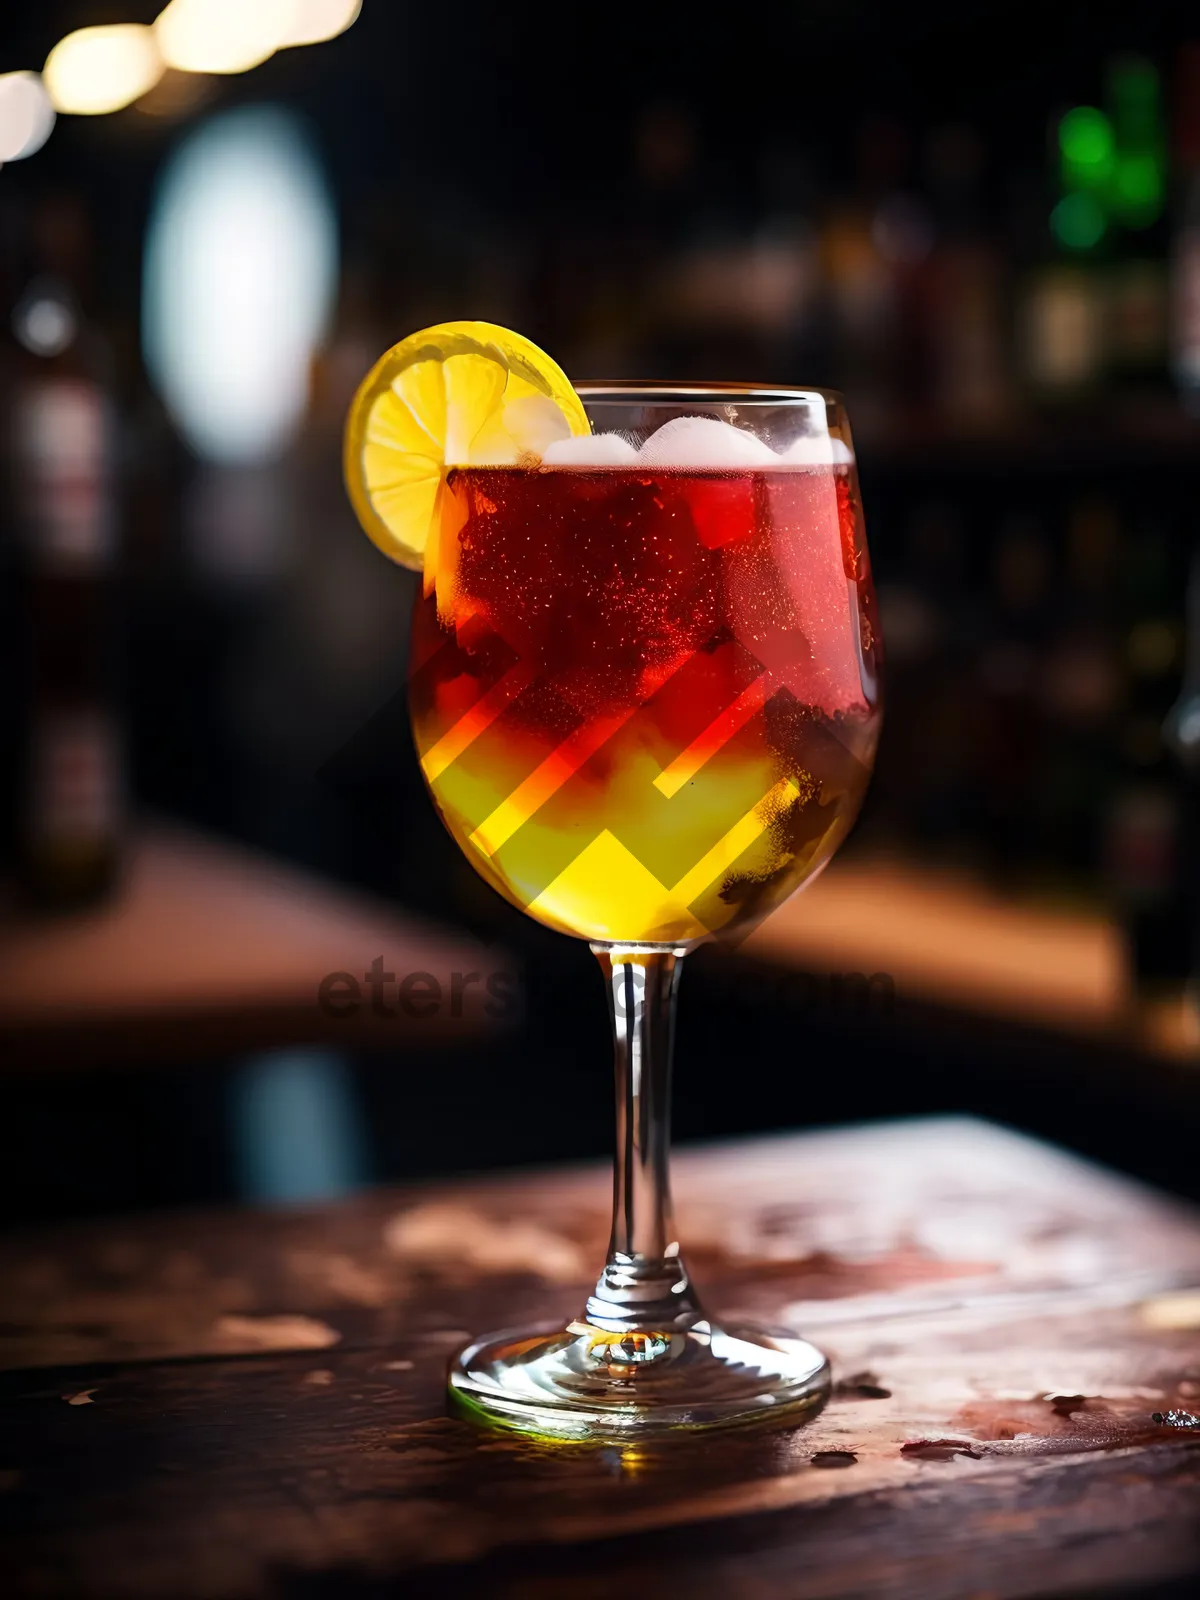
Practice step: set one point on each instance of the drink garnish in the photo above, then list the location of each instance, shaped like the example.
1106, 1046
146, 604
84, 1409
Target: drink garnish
456, 395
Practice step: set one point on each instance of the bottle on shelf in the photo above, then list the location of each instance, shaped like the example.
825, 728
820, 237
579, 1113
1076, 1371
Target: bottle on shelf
962, 278
1080, 693
1185, 246
1135, 276
1181, 732
1148, 827
1060, 304
1011, 735
61, 458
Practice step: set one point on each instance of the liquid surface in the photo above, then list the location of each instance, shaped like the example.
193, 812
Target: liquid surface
645, 701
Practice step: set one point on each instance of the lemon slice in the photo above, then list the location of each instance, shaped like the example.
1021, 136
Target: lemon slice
461, 394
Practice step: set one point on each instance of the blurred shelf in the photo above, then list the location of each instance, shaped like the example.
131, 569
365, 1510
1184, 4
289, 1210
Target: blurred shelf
946, 939
210, 948
1123, 436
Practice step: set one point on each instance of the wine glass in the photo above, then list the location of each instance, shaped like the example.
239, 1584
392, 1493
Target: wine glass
645, 698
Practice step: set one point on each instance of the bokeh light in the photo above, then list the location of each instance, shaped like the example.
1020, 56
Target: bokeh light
1139, 178
223, 35
1138, 184
44, 320
26, 115
95, 70
1085, 138
240, 269
1078, 221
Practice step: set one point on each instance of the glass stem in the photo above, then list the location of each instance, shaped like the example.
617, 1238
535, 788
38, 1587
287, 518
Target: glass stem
644, 1286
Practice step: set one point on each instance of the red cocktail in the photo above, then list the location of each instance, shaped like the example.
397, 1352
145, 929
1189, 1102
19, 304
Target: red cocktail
645, 700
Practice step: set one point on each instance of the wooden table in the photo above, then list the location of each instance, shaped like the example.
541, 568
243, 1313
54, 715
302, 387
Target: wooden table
250, 1405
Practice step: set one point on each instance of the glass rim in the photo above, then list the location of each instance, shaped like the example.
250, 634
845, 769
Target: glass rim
668, 392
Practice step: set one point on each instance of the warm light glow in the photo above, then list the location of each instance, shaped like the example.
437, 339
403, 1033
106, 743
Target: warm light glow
316, 20
241, 258
177, 94
26, 115
102, 69
223, 35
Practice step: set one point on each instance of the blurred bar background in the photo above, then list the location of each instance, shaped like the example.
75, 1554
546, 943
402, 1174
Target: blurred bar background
981, 223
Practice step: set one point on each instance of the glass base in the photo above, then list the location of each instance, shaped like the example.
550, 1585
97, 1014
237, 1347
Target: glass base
583, 1383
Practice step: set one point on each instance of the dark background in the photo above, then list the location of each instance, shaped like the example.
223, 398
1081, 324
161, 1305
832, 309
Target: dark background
855, 195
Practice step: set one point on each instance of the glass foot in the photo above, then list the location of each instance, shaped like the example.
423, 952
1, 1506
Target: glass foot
581, 1382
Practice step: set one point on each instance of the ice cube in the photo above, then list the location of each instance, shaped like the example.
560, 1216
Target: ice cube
688, 442
590, 450
817, 450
